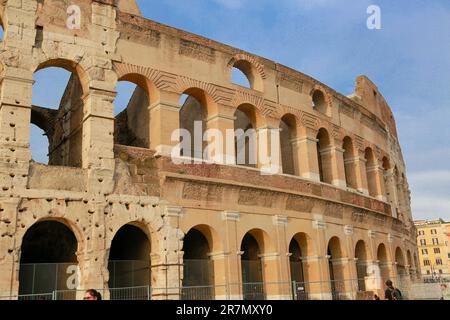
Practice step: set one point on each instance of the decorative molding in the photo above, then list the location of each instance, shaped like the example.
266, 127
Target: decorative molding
319, 224
348, 230
390, 238
245, 57
231, 216
174, 211
279, 220
371, 234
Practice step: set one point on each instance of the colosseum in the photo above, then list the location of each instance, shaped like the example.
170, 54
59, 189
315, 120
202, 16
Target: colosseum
113, 211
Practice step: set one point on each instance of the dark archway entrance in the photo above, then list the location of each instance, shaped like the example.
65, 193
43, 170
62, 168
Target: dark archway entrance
198, 270
48, 261
129, 264
252, 273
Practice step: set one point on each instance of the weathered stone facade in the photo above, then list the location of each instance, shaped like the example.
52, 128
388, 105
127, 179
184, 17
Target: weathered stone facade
347, 176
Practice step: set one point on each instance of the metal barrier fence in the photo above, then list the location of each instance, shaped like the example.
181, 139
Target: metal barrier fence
348, 289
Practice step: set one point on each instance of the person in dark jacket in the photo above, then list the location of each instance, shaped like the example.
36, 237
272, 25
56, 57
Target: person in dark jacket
392, 293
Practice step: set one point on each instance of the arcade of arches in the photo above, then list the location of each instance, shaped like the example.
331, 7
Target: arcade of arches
112, 210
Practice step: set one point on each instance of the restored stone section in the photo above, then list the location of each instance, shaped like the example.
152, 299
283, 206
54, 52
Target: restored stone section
108, 172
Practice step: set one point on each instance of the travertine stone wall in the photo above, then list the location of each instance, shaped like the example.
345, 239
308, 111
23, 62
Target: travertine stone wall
99, 186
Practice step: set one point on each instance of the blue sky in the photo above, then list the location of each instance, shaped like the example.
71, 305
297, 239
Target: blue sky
408, 59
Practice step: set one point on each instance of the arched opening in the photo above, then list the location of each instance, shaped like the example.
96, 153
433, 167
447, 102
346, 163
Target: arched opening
401, 266
397, 201
131, 112
59, 115
2, 30
39, 144
193, 115
129, 264
361, 264
198, 270
245, 125
335, 268
48, 261
387, 179
245, 74
324, 156
349, 163
296, 266
371, 168
252, 272
238, 77
319, 102
288, 127
384, 264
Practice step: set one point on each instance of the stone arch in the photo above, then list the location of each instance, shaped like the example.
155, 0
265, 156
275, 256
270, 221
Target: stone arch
400, 263
198, 268
289, 156
129, 262
196, 105
69, 65
301, 246
66, 139
324, 155
247, 120
349, 163
263, 239
132, 124
335, 267
382, 257
212, 236
320, 100
254, 245
48, 258
253, 70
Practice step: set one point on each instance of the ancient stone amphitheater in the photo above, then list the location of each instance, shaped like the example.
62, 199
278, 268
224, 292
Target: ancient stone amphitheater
112, 211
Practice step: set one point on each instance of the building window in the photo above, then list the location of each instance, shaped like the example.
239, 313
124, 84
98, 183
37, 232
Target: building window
437, 250
449, 255
439, 261
421, 232
440, 271
433, 231
423, 242
435, 241
424, 251
426, 262
428, 272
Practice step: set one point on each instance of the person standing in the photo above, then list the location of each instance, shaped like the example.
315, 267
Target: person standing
392, 293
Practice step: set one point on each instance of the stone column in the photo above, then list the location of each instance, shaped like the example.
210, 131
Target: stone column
349, 265
167, 259
361, 175
9, 253
233, 259
223, 131
219, 261
164, 120
344, 272
316, 267
305, 154
269, 150
337, 166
